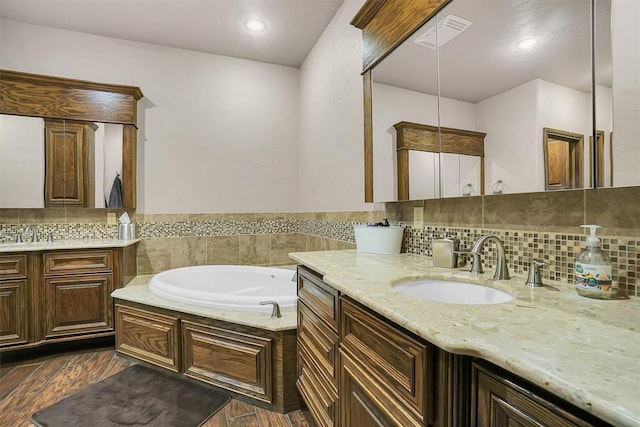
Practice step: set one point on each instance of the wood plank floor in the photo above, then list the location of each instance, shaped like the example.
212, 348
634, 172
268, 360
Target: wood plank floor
27, 386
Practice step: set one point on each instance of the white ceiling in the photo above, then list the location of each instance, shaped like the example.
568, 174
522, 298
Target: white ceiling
213, 26
483, 61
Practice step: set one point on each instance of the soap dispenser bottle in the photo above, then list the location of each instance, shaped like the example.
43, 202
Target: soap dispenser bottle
593, 269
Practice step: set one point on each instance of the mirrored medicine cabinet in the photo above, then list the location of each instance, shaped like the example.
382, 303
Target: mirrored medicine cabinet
462, 71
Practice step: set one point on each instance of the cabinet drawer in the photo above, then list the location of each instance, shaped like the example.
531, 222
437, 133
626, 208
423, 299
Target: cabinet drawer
318, 296
320, 341
13, 267
500, 401
319, 395
77, 262
398, 363
148, 336
364, 402
231, 360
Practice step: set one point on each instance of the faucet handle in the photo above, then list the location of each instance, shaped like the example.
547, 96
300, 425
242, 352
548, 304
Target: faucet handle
476, 263
534, 280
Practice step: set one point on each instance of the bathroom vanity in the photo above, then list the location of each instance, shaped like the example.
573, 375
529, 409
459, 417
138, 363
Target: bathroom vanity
61, 291
369, 355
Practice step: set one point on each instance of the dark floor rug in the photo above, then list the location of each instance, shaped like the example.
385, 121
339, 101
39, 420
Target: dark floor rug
135, 397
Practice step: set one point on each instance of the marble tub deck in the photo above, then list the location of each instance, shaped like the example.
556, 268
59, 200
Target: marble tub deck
585, 351
138, 291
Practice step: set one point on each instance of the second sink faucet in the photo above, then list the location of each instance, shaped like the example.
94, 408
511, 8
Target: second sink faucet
502, 272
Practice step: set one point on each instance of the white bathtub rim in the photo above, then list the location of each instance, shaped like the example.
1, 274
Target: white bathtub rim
163, 289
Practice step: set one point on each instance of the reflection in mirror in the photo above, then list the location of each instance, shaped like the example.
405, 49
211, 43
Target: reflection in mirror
21, 162
616, 41
563, 159
57, 163
489, 85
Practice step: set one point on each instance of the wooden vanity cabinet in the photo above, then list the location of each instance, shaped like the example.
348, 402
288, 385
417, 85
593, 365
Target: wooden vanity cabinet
58, 296
69, 163
14, 300
77, 291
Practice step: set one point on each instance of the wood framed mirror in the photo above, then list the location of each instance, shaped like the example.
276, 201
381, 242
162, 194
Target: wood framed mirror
59, 100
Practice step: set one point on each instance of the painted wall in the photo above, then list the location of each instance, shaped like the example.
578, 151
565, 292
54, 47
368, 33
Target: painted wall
217, 134
330, 162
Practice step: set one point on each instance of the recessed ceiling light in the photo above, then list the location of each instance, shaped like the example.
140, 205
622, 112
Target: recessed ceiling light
255, 25
527, 43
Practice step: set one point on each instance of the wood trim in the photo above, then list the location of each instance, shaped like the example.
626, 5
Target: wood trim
368, 136
366, 12
402, 159
41, 79
384, 26
129, 166
421, 137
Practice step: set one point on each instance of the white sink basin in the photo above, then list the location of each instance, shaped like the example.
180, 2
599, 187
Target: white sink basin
452, 292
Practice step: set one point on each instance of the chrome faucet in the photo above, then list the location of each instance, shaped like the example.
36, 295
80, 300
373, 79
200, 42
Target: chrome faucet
502, 272
275, 312
34, 233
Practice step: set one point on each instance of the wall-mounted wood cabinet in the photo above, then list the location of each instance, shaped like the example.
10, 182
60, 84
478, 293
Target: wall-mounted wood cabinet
59, 296
69, 175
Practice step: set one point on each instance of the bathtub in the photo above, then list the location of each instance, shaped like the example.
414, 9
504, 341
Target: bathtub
227, 287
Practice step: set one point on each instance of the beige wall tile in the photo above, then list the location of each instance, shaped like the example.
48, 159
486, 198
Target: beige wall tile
154, 255
548, 211
9, 216
43, 216
223, 250
457, 211
617, 210
188, 251
87, 215
255, 249
281, 245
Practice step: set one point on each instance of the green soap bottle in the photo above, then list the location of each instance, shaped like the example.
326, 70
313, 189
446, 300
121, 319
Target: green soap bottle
593, 269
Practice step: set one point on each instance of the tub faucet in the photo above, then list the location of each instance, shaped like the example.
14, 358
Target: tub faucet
275, 313
502, 272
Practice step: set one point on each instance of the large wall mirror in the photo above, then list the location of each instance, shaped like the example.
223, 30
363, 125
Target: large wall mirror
66, 143
464, 70
59, 163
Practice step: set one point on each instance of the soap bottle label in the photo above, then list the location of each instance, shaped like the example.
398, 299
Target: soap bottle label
593, 277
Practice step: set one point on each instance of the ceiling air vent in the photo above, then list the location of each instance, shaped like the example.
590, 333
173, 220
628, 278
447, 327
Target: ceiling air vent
449, 28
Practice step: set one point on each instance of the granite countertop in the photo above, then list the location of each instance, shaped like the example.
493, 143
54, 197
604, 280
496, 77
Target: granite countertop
66, 244
138, 291
585, 351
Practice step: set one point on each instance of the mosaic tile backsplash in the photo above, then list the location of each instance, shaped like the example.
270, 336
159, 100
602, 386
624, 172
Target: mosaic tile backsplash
557, 249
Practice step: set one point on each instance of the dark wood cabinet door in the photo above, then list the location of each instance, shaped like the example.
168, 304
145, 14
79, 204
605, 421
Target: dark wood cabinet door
149, 336
68, 164
14, 312
78, 304
501, 402
360, 400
